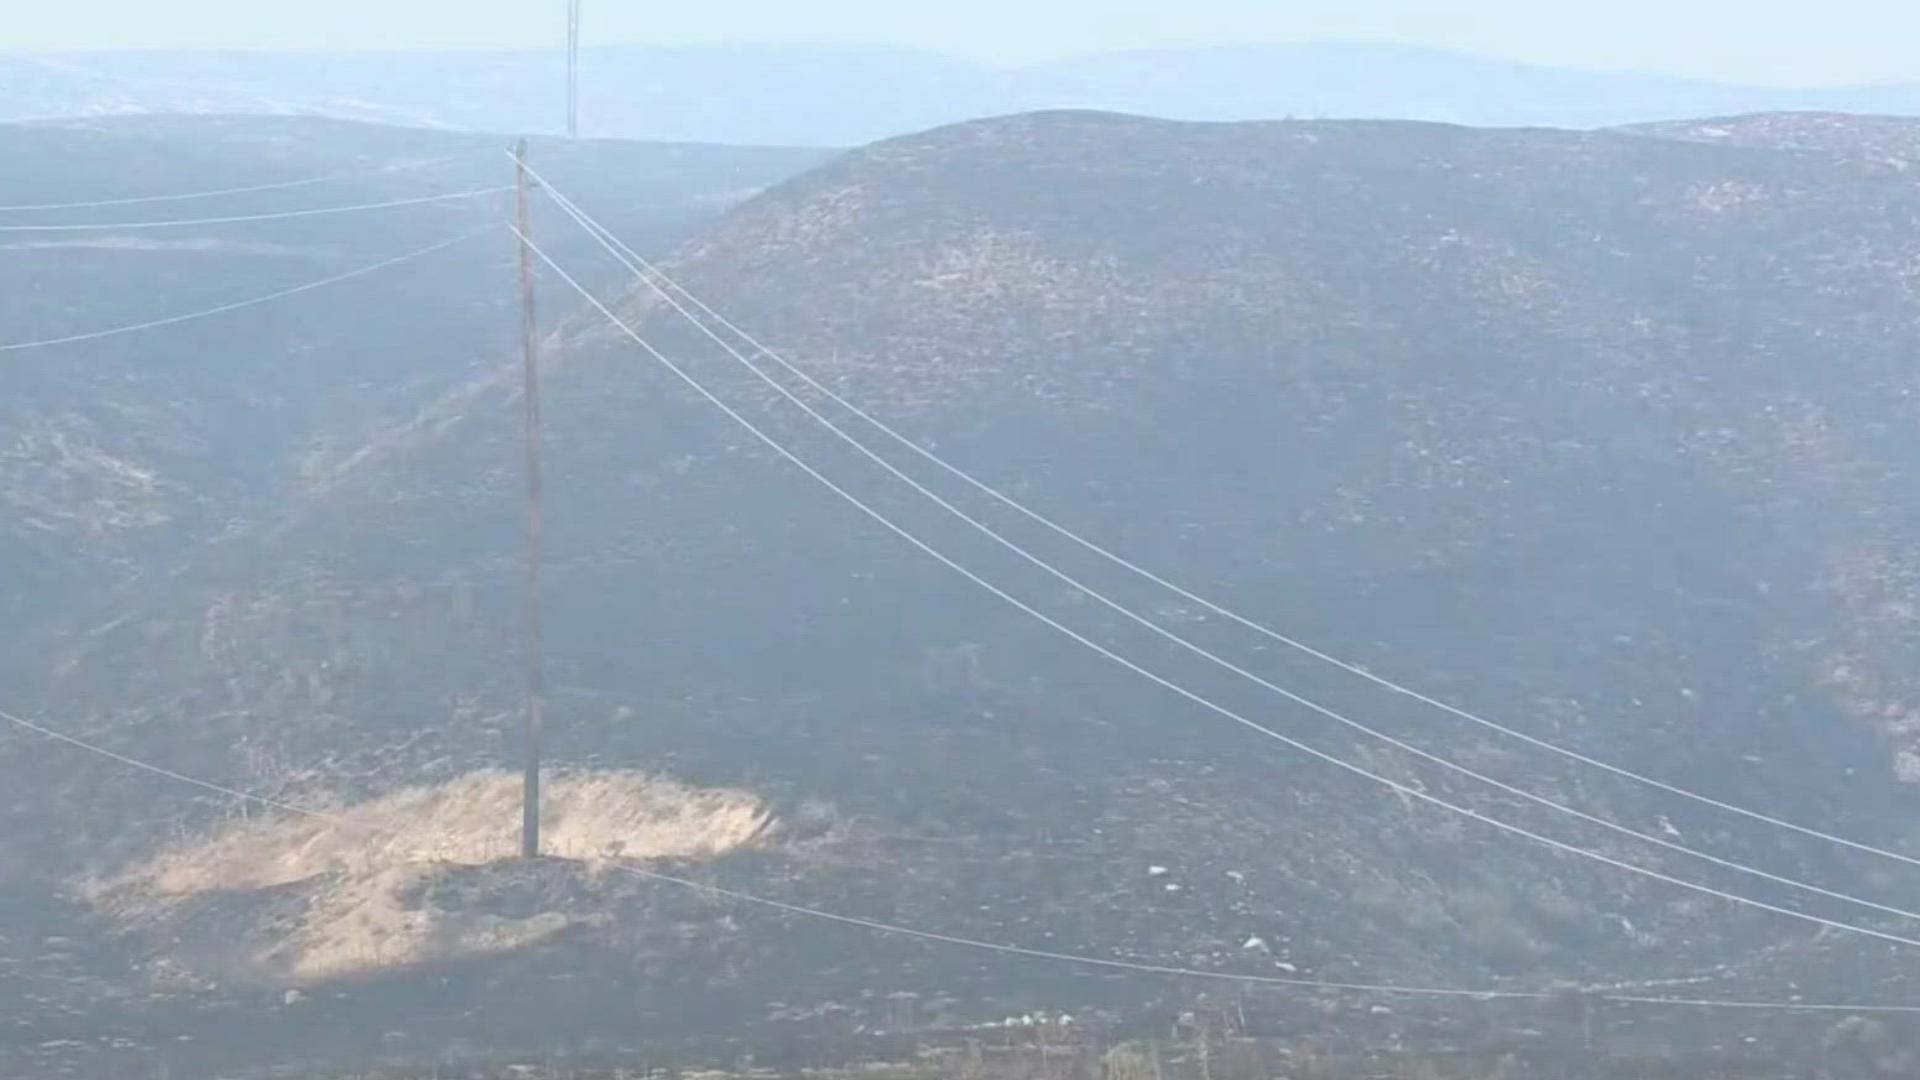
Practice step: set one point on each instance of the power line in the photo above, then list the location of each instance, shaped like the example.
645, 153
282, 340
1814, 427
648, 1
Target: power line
174, 320
606, 240
1081, 958
989, 946
1218, 609
1405, 790
450, 196
282, 185
132, 762
1269, 980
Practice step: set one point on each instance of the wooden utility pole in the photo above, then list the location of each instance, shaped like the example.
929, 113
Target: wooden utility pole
573, 69
530, 795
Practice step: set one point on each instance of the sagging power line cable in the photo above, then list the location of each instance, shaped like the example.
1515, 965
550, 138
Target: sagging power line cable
1302, 647
614, 247
135, 763
321, 211
1079, 959
186, 196
1406, 790
1269, 980
174, 320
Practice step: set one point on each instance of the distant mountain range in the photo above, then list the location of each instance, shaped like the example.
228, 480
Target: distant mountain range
849, 94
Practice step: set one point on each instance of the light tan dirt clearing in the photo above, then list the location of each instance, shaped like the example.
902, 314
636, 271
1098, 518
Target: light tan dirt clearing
356, 881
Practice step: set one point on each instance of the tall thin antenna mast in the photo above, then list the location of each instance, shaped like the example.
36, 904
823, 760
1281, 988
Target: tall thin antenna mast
573, 69
530, 794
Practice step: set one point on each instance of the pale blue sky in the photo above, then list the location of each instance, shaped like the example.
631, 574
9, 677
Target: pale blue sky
1758, 41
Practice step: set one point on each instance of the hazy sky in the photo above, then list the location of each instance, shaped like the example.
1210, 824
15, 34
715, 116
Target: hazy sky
1761, 41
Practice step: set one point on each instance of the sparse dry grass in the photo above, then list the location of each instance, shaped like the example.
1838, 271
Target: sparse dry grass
358, 868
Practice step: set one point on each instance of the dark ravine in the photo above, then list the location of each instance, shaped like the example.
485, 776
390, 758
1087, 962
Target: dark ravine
1607, 435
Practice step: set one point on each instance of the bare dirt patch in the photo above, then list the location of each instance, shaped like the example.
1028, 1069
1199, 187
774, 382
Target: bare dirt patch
305, 899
